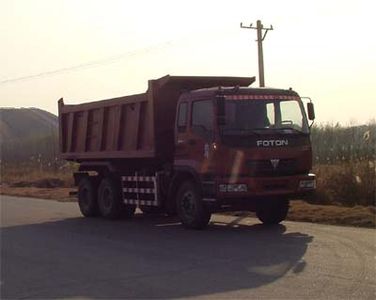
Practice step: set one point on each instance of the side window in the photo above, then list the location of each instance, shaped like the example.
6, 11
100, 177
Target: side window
202, 116
182, 117
291, 113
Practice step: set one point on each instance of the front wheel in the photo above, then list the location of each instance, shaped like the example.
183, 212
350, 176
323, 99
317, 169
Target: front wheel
191, 210
272, 211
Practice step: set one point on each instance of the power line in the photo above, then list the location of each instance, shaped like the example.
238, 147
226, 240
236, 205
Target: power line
86, 65
104, 61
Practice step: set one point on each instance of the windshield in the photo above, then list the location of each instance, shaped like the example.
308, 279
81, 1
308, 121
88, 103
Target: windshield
249, 116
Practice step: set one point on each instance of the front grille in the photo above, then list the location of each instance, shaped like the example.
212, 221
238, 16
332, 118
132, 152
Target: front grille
285, 167
275, 186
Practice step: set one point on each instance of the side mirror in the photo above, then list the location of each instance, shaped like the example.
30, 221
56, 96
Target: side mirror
311, 111
221, 111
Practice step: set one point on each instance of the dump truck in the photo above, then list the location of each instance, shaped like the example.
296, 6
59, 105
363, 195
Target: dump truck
190, 146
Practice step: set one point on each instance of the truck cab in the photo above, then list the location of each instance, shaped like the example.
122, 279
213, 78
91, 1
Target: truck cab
249, 147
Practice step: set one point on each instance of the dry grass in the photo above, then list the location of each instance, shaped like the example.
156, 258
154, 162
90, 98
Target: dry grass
347, 184
37, 176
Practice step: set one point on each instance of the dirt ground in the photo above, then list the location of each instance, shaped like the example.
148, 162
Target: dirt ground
359, 216
59, 194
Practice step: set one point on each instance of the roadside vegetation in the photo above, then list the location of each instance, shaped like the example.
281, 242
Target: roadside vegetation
344, 161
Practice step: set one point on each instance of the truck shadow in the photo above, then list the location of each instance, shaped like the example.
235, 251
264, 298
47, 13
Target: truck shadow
147, 257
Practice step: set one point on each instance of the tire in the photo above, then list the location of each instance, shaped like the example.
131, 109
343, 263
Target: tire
87, 198
272, 211
110, 200
191, 210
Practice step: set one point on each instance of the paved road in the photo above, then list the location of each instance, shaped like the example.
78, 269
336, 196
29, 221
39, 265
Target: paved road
48, 250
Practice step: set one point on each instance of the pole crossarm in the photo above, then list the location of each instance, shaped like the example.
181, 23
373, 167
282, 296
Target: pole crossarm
253, 27
247, 27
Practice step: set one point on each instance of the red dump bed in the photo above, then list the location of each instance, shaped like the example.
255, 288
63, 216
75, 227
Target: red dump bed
137, 126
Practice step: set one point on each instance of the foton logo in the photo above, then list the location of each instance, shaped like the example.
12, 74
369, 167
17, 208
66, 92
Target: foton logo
272, 143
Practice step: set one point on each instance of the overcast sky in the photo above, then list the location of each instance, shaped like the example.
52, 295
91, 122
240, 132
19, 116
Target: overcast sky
92, 50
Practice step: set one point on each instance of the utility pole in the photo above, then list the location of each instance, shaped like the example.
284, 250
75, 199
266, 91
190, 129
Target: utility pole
260, 38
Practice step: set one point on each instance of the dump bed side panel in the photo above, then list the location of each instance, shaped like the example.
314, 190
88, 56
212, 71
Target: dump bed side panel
166, 98
115, 128
137, 126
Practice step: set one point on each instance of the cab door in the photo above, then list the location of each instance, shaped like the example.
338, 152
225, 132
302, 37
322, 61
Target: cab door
201, 133
194, 134
181, 131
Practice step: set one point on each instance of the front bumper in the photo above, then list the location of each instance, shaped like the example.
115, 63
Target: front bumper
258, 187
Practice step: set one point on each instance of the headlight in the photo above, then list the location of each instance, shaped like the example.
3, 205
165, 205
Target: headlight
307, 184
233, 188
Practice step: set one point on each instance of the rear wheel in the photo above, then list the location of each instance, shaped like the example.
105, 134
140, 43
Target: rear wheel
110, 200
87, 197
191, 210
272, 211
